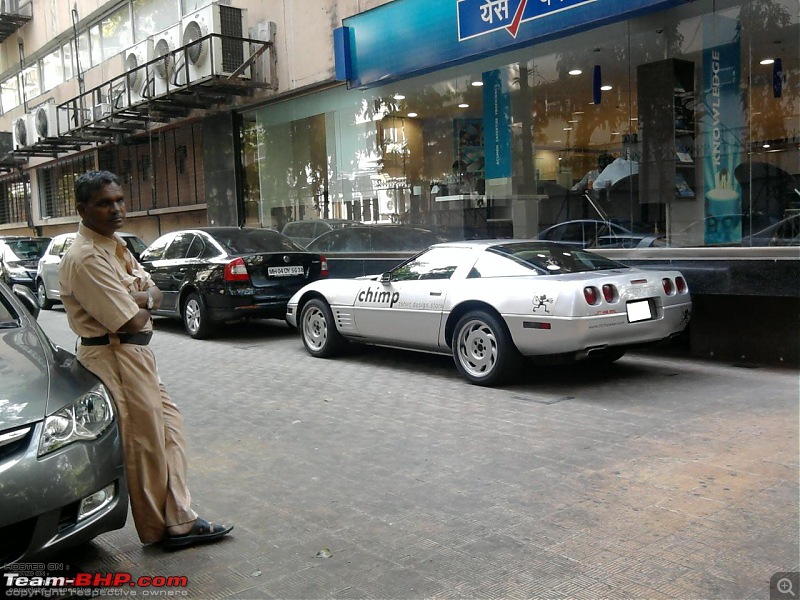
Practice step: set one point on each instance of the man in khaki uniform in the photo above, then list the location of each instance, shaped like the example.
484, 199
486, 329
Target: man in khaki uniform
108, 297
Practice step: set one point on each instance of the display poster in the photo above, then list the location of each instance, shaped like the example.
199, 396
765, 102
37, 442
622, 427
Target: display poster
721, 129
497, 124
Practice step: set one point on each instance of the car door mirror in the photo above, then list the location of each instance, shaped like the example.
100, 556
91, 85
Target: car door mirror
386, 277
27, 298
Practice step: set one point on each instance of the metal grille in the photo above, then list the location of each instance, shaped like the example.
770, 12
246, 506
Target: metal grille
15, 196
231, 27
57, 185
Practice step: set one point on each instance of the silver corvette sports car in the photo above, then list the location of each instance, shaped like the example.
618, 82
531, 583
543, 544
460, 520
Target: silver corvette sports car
491, 302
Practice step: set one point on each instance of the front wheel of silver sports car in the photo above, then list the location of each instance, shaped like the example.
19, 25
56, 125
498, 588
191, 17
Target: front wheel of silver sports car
483, 350
318, 330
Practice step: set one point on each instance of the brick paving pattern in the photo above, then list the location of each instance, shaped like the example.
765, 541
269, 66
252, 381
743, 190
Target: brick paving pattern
661, 477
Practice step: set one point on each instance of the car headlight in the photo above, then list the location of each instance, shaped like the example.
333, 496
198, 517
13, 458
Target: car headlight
85, 419
19, 272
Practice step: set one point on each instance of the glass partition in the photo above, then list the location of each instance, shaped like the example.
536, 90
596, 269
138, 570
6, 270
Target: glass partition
677, 128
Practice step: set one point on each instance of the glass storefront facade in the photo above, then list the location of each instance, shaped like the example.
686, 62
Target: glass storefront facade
675, 128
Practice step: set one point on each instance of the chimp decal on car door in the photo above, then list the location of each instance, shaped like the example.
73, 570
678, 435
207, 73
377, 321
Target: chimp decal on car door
378, 297
542, 301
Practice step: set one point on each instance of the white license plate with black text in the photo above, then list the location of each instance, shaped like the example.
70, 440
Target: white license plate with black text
639, 311
285, 271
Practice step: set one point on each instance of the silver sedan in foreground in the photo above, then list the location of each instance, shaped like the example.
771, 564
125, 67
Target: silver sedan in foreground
63, 480
491, 302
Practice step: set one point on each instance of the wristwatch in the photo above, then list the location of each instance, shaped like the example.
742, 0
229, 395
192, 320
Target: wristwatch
149, 300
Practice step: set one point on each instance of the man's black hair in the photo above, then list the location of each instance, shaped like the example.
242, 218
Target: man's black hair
91, 182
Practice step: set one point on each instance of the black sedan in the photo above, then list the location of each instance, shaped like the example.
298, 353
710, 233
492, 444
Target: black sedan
220, 274
63, 480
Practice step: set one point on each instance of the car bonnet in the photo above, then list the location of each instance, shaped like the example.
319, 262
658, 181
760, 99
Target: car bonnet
24, 377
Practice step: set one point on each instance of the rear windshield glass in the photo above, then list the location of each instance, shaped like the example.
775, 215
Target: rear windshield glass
555, 259
251, 241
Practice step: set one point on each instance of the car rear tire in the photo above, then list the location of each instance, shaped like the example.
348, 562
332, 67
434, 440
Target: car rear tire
483, 350
41, 296
195, 317
318, 330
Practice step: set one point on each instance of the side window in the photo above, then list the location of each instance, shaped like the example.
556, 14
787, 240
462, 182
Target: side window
438, 263
493, 265
179, 246
56, 247
572, 233
67, 244
156, 250
195, 248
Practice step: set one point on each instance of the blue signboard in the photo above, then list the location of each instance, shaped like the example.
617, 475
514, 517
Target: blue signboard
404, 38
497, 124
479, 17
721, 129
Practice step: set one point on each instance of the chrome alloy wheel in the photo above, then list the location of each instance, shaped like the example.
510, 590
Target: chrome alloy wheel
477, 348
193, 315
315, 328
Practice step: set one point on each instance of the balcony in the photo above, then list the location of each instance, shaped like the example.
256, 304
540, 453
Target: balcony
13, 15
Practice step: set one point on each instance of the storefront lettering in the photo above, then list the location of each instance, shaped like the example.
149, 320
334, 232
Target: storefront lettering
716, 130
492, 9
379, 296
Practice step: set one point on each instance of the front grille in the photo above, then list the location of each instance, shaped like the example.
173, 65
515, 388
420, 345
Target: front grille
230, 20
14, 539
15, 441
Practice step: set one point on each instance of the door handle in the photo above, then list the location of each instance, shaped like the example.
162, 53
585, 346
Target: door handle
436, 293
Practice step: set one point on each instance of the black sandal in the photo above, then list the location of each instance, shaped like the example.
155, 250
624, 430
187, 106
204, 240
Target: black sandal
202, 532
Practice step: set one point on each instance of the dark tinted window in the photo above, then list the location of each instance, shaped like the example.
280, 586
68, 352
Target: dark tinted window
134, 244
156, 249
554, 259
196, 248
251, 241
179, 246
436, 263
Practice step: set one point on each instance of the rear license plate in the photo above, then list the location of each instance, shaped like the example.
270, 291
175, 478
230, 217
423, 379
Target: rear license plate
639, 311
285, 271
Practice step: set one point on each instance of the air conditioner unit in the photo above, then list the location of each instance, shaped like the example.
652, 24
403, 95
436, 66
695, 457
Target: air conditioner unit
168, 70
21, 132
49, 122
101, 112
139, 77
215, 55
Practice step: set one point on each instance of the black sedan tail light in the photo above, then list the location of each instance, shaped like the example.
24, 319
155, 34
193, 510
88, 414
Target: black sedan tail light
236, 270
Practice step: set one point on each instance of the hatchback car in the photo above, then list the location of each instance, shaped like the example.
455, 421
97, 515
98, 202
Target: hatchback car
63, 478
19, 258
219, 274
47, 286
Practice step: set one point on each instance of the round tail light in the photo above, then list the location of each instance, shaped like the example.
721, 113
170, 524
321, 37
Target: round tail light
592, 295
680, 283
669, 288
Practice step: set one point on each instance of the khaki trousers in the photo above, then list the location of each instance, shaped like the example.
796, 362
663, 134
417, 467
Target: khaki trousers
152, 436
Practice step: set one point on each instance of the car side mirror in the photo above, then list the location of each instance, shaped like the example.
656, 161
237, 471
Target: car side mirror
27, 298
386, 277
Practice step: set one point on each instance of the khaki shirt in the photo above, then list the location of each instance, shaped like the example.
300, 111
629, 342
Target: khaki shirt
97, 275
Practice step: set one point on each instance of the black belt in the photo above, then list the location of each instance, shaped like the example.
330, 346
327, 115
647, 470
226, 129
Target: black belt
139, 339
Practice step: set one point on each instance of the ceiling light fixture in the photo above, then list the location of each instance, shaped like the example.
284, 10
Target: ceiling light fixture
767, 61
463, 105
575, 72
477, 83
399, 97
412, 114
605, 88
